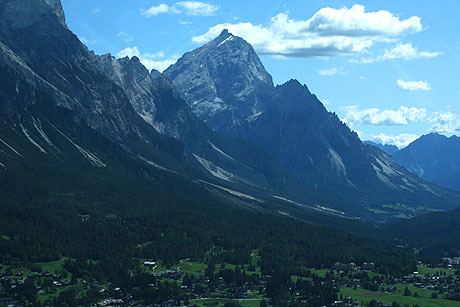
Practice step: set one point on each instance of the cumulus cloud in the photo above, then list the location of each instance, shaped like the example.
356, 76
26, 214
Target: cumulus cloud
400, 52
414, 85
375, 116
401, 140
328, 32
156, 10
125, 36
191, 8
158, 61
445, 122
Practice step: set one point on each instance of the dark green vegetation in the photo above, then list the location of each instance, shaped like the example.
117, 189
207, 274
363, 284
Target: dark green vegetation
436, 233
112, 217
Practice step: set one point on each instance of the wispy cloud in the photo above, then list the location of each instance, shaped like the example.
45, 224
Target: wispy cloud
95, 11
329, 32
331, 71
414, 85
158, 61
125, 36
375, 116
191, 8
399, 52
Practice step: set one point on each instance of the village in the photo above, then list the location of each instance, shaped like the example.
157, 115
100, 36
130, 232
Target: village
199, 284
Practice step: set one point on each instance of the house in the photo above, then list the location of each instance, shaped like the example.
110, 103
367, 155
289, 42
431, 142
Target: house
368, 266
6, 301
150, 264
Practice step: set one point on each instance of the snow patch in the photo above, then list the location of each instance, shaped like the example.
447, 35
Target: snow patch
233, 192
26, 133
38, 127
92, 158
159, 127
387, 169
382, 176
337, 162
11, 148
156, 165
287, 200
253, 117
215, 170
225, 40
316, 207
220, 151
2, 165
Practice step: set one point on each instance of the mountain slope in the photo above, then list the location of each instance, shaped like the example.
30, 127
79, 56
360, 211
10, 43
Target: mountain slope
434, 158
307, 140
66, 109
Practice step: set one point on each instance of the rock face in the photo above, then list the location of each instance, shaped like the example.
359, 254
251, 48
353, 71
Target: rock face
224, 82
14, 11
293, 125
434, 158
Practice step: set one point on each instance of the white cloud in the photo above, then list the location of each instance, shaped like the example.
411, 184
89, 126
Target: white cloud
374, 116
400, 52
401, 140
331, 71
158, 61
156, 10
191, 8
125, 36
95, 11
197, 8
185, 23
329, 32
414, 85
445, 122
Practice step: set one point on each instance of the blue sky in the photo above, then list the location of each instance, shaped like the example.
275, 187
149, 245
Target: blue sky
389, 69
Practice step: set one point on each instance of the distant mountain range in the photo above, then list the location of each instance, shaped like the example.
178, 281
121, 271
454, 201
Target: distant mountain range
434, 158
388, 149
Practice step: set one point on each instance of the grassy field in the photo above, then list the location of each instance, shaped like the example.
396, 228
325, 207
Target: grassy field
423, 269
53, 266
221, 302
362, 295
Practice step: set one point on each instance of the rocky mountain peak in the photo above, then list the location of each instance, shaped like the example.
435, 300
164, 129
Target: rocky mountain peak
222, 81
21, 14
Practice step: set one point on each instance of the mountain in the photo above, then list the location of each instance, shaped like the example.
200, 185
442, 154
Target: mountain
388, 149
294, 126
68, 115
434, 158
224, 90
